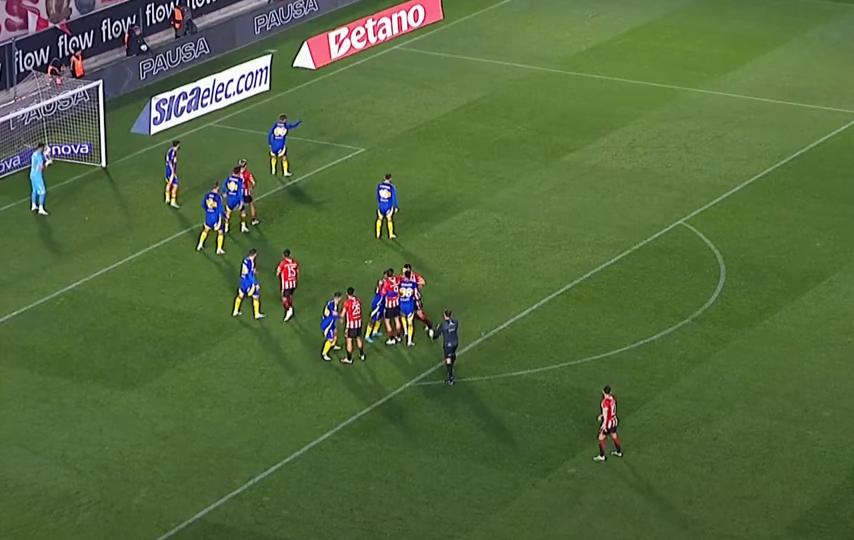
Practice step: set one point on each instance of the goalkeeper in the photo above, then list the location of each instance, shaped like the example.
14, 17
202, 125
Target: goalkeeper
38, 161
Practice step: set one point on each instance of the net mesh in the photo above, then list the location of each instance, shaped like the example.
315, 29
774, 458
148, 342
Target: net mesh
63, 113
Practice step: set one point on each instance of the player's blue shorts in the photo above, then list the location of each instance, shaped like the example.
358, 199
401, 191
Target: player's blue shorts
385, 210
249, 288
171, 176
407, 309
234, 204
38, 184
279, 150
327, 328
213, 222
377, 308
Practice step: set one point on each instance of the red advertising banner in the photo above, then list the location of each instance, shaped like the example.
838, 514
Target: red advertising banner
21, 18
357, 36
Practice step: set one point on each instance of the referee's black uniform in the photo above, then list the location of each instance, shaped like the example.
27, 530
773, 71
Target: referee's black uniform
447, 329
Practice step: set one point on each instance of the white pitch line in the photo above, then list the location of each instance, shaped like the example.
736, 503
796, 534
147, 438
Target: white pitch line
627, 81
509, 322
271, 98
165, 241
637, 344
315, 141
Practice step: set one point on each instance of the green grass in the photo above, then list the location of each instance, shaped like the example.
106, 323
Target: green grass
131, 400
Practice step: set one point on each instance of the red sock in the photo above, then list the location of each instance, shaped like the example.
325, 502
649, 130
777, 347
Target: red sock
286, 302
618, 444
602, 448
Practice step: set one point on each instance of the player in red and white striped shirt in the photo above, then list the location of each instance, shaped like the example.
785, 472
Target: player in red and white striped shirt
608, 425
288, 274
248, 187
351, 318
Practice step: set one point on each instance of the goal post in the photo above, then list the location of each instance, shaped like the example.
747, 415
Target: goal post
65, 114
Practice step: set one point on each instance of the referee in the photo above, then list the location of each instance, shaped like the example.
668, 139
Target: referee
450, 341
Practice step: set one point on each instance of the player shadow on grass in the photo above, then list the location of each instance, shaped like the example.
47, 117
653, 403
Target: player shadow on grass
665, 509
418, 263
120, 201
467, 395
362, 382
45, 232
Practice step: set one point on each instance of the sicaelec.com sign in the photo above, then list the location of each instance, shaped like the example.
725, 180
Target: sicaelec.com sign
204, 96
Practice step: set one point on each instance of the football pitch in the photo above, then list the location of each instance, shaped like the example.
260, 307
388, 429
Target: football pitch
653, 195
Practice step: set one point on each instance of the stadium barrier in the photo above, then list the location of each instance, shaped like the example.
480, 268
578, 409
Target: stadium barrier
95, 33
139, 71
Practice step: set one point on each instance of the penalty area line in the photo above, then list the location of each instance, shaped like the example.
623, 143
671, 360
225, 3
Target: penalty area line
264, 133
152, 247
273, 97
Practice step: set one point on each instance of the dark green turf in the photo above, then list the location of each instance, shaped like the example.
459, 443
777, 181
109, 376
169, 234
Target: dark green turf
131, 400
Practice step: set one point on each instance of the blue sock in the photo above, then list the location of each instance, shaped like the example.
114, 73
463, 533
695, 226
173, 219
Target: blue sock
42, 196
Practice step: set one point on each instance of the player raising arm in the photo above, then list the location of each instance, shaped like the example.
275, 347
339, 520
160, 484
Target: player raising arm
406, 290
214, 213
608, 425
172, 174
39, 161
351, 316
249, 286
248, 188
288, 274
232, 190
328, 328
386, 206
278, 141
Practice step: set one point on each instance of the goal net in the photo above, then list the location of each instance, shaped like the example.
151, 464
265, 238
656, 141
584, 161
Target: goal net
65, 114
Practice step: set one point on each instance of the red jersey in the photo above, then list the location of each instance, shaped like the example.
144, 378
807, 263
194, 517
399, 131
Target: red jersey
609, 412
352, 312
288, 272
389, 292
248, 182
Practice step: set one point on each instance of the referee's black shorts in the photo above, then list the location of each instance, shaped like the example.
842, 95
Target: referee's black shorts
450, 351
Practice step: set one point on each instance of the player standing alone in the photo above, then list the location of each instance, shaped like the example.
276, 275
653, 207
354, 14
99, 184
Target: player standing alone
448, 329
288, 272
351, 316
277, 139
608, 425
38, 162
171, 190
386, 206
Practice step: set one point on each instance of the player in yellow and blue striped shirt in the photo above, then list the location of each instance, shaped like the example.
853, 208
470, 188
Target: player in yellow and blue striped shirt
278, 141
249, 286
232, 191
213, 207
328, 328
171, 190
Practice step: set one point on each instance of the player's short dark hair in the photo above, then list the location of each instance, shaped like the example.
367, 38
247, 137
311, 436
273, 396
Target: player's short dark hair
283, 117
407, 274
389, 272
407, 266
351, 291
176, 142
607, 389
387, 176
286, 253
236, 170
252, 251
448, 313
337, 294
215, 186
40, 145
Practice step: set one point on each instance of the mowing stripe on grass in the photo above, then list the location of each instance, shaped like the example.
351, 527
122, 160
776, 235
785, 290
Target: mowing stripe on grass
498, 329
271, 98
165, 241
626, 81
